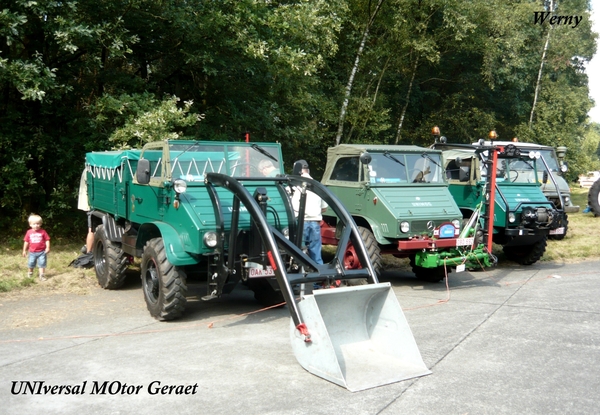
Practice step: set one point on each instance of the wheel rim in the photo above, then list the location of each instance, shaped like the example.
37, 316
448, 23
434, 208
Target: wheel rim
151, 286
350, 258
99, 258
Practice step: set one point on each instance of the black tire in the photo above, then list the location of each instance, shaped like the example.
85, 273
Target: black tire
373, 248
427, 274
594, 198
163, 283
526, 254
564, 224
264, 293
110, 261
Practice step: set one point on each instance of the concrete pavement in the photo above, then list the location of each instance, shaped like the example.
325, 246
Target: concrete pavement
512, 340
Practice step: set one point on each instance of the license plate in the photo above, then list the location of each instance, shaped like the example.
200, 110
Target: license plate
557, 231
259, 272
465, 241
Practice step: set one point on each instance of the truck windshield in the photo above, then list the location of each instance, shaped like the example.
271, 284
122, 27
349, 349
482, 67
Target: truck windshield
405, 168
191, 161
550, 158
524, 169
520, 170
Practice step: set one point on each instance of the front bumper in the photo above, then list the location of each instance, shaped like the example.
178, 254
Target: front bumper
571, 209
428, 243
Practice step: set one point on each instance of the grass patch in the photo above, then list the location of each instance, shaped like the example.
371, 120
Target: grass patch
61, 277
581, 241
9, 284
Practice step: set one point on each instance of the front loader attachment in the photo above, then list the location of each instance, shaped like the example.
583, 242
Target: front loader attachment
355, 336
360, 338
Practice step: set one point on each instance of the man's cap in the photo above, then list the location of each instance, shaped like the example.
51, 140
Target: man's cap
298, 166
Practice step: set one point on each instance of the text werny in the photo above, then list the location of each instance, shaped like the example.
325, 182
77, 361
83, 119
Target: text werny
553, 19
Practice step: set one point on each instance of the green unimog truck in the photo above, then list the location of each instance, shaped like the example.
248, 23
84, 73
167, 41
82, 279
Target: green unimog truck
523, 216
399, 198
211, 212
551, 169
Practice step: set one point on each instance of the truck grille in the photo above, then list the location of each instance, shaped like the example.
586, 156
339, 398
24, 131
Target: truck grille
420, 226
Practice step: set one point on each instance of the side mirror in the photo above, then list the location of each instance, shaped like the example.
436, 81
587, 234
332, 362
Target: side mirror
142, 172
564, 167
545, 177
365, 158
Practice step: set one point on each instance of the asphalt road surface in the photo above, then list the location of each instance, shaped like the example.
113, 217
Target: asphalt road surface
512, 340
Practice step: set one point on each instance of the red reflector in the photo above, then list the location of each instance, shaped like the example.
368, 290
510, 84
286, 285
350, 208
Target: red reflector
272, 260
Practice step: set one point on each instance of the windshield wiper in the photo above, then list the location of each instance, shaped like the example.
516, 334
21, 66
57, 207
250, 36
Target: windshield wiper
425, 155
195, 143
388, 155
264, 152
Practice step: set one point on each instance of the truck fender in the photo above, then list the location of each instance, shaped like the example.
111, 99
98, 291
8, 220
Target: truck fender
176, 254
374, 227
114, 231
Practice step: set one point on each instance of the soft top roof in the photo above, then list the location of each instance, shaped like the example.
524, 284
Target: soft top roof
111, 159
452, 154
358, 149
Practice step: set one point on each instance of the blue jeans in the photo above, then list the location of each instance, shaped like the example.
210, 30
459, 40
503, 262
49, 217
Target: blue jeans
312, 239
37, 257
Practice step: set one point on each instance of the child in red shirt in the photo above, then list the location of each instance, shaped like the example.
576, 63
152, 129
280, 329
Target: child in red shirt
37, 242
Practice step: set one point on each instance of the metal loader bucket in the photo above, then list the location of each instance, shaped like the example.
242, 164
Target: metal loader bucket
360, 337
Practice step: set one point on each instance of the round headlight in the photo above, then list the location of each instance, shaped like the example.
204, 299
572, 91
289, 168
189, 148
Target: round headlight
286, 232
531, 154
456, 223
404, 227
511, 217
566, 199
180, 186
210, 239
564, 168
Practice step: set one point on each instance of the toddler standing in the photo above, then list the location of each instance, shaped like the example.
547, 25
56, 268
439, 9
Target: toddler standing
37, 242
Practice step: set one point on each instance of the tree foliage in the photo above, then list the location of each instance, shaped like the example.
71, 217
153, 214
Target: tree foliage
85, 75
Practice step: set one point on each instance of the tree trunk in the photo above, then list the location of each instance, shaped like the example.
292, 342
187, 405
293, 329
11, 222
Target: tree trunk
539, 77
340, 131
410, 85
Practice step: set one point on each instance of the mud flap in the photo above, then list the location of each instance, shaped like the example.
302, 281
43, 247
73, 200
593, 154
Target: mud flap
360, 337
